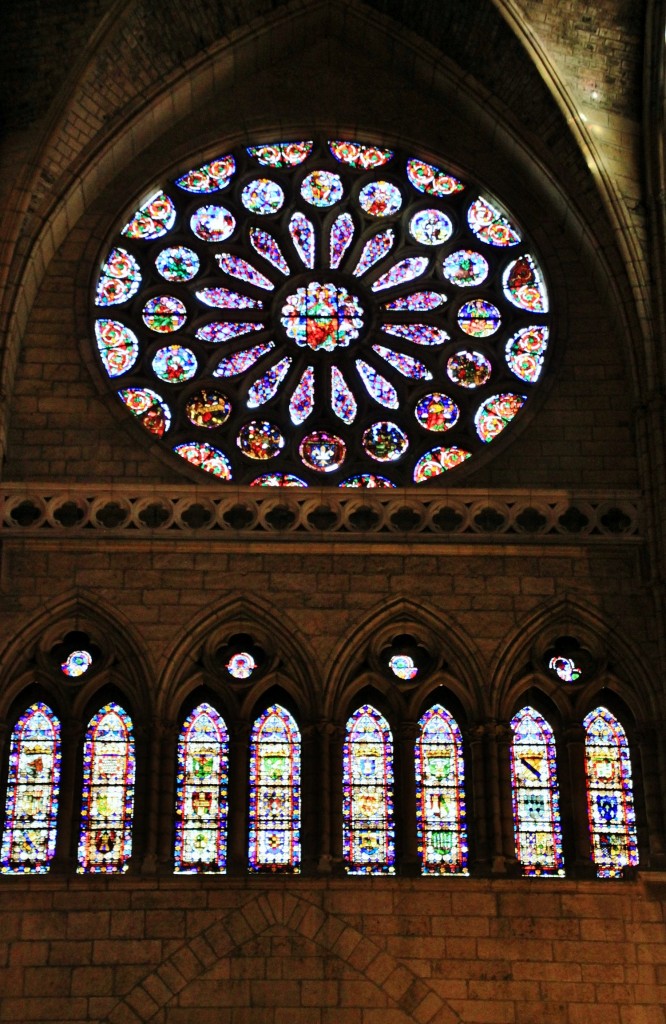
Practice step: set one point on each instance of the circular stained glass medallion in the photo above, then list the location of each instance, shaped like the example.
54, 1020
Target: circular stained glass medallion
326, 292
241, 665
76, 664
565, 668
402, 666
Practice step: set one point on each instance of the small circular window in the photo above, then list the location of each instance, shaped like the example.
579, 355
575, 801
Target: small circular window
304, 313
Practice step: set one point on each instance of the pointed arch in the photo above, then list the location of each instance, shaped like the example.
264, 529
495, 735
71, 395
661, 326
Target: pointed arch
440, 794
610, 794
105, 841
275, 792
536, 799
33, 785
368, 822
202, 783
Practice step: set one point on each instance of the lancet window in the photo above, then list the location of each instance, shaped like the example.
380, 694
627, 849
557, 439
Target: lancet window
275, 792
367, 809
610, 799
536, 811
440, 794
202, 793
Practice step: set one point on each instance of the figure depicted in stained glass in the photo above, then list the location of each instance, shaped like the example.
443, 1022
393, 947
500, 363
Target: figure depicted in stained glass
33, 783
610, 794
275, 792
367, 803
201, 795
536, 800
105, 843
440, 794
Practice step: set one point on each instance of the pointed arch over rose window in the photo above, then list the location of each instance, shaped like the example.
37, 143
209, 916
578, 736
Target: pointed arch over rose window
440, 794
33, 781
367, 806
610, 795
536, 802
202, 793
275, 792
105, 841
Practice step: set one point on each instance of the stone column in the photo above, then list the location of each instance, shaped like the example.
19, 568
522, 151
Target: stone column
500, 738
479, 805
407, 846
648, 748
238, 799
152, 789
579, 842
325, 730
69, 803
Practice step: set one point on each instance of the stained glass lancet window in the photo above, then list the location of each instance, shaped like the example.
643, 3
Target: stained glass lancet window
440, 794
610, 797
275, 792
201, 801
105, 842
367, 805
536, 806
31, 808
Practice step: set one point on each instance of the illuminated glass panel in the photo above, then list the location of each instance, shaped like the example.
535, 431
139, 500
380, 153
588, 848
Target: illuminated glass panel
440, 794
275, 792
33, 781
536, 801
610, 794
367, 804
105, 842
201, 794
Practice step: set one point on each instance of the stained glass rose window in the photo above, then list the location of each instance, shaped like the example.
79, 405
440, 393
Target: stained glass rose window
307, 312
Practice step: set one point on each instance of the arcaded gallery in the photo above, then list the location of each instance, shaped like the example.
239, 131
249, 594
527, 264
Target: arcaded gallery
332, 539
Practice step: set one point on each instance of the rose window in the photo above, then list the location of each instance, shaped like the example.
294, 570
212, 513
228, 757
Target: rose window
307, 312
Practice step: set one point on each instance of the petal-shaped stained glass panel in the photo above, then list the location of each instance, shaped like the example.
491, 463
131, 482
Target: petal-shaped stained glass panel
151, 411
432, 180
152, 220
240, 362
226, 298
267, 385
208, 408
301, 402
303, 236
377, 386
220, 331
118, 346
342, 233
440, 794
430, 227
266, 245
536, 810
491, 226
525, 352
275, 793
239, 268
213, 223
406, 365
496, 413
120, 278
322, 189
610, 794
363, 158
405, 270
322, 452
368, 837
178, 263
438, 461
210, 177
418, 334
437, 412
202, 784
205, 456
417, 302
523, 285
281, 154
374, 250
263, 196
260, 440
343, 402
380, 199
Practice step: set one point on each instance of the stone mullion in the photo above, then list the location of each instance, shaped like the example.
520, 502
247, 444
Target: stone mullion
152, 799
325, 730
648, 745
405, 801
238, 800
69, 801
477, 821
499, 766
310, 797
579, 842
163, 793
336, 744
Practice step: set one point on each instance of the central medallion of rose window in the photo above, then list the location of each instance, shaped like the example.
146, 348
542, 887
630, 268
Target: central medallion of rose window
322, 317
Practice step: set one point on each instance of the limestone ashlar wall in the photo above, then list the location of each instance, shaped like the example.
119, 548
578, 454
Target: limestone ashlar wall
285, 951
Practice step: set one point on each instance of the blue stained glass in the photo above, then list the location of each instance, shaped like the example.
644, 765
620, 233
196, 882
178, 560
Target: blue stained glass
418, 301
430, 227
225, 298
536, 801
213, 223
275, 793
264, 243
281, 154
368, 837
405, 270
303, 236
262, 196
210, 177
178, 263
278, 480
201, 787
365, 480
151, 411
465, 268
380, 199
120, 278
432, 180
220, 331
239, 362
405, 365
525, 352
610, 798
491, 226
374, 250
355, 154
322, 188
152, 220
343, 402
244, 271
440, 794
342, 233
264, 389
118, 346
206, 457
377, 386
301, 402
523, 285
418, 334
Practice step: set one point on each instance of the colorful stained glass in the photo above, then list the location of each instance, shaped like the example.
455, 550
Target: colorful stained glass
213, 223
164, 314
281, 154
363, 480
468, 369
432, 180
402, 666
342, 233
322, 316
153, 219
264, 243
374, 250
275, 793
536, 801
418, 334
380, 199
278, 480
76, 664
118, 346
120, 278
479, 318
417, 302
565, 668
205, 456
610, 794
523, 285
437, 412
202, 783
355, 154
405, 365
302, 234
262, 196
219, 331
211, 177
263, 389
404, 270
33, 785
178, 263
377, 386
105, 843
322, 451
491, 226
440, 794
430, 227
236, 267
496, 413
151, 411
174, 364
260, 440
225, 298
465, 268
239, 362
343, 402
368, 828
525, 352
438, 461
208, 408
322, 188
385, 441
301, 402
241, 665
